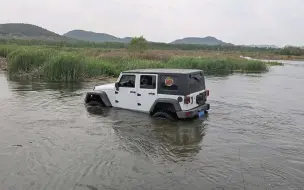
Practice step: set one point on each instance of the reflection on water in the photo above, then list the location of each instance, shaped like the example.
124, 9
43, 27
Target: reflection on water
251, 139
181, 138
41, 86
4, 91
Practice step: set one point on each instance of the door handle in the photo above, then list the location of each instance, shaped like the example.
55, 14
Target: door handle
151, 93
138, 94
116, 92
132, 92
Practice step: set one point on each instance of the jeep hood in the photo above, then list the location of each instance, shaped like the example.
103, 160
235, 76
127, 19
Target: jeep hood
110, 86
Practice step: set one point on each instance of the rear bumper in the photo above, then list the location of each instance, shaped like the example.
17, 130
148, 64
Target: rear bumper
193, 112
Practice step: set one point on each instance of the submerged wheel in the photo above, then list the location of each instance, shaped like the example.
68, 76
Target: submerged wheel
163, 115
95, 103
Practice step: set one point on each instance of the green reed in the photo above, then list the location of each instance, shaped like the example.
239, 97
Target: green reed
72, 64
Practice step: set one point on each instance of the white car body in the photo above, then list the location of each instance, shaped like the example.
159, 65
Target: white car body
143, 96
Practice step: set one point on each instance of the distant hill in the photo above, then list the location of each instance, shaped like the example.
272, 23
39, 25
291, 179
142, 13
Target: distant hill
27, 31
209, 40
95, 37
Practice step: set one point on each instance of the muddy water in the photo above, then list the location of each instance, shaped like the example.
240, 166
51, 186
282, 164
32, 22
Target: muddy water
251, 139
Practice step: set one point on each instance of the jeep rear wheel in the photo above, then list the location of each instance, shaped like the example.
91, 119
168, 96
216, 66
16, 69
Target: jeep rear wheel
163, 115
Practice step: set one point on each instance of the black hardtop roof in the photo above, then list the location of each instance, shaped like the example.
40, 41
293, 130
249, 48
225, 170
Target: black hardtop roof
166, 71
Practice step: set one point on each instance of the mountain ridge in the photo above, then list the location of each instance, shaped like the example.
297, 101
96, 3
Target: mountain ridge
95, 37
30, 31
208, 40
104, 37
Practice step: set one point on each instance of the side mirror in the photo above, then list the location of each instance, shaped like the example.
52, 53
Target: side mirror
116, 86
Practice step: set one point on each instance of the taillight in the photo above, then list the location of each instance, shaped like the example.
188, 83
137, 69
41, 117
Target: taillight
188, 114
187, 99
207, 92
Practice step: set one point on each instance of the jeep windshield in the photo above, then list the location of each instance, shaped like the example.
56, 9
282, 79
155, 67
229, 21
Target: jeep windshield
197, 82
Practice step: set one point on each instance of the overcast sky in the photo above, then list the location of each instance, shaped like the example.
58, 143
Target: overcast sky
279, 22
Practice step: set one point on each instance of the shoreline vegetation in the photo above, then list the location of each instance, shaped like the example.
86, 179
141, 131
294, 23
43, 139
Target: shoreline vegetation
256, 52
53, 63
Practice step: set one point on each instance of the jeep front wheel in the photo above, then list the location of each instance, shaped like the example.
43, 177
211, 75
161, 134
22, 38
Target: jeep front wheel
163, 115
95, 103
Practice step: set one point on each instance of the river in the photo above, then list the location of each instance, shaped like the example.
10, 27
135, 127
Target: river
251, 139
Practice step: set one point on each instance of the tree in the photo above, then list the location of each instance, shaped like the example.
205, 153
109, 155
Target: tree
138, 44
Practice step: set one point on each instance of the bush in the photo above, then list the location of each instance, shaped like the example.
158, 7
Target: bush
138, 44
289, 50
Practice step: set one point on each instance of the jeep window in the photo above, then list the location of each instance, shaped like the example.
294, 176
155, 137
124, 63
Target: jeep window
127, 81
148, 81
169, 86
197, 82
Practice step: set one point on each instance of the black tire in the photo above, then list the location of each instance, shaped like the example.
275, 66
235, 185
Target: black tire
163, 115
95, 103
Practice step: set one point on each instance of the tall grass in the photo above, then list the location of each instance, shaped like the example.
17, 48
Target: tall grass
6, 49
25, 60
98, 67
70, 64
218, 66
64, 67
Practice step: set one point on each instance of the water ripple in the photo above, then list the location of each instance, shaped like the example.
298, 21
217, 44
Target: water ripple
251, 139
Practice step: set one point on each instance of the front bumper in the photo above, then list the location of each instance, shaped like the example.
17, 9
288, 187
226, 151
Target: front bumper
193, 112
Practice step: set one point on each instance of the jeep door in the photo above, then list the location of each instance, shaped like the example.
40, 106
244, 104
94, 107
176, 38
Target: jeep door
125, 96
146, 91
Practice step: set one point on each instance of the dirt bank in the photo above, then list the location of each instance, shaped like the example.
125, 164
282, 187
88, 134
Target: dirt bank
3, 64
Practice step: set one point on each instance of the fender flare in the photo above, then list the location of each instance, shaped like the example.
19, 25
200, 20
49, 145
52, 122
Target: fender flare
174, 102
103, 96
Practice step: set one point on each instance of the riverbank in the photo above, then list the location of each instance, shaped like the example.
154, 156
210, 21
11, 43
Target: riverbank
272, 56
78, 64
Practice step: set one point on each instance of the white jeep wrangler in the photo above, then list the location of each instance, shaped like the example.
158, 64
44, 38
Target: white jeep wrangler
166, 93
